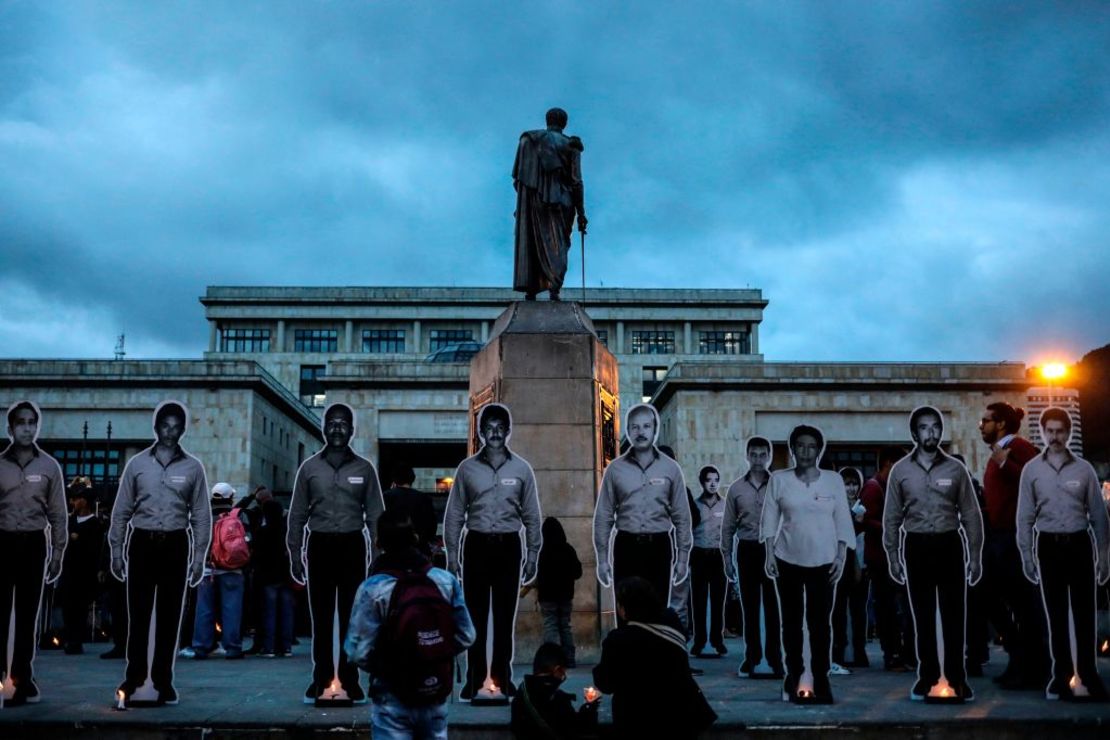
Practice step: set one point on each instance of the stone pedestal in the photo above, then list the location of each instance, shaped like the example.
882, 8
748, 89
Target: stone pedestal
545, 363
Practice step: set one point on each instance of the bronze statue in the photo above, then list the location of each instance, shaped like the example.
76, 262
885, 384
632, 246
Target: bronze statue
547, 176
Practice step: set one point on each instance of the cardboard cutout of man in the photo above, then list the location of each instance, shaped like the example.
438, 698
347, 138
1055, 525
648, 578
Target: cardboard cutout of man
493, 499
643, 498
1059, 512
707, 567
806, 529
33, 535
745, 556
160, 530
336, 502
933, 537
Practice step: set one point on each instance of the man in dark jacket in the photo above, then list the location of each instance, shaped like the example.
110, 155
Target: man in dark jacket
79, 584
541, 710
645, 667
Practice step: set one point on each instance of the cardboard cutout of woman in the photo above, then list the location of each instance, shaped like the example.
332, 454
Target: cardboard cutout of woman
740, 539
33, 536
806, 529
159, 534
642, 498
336, 502
850, 609
493, 500
1060, 515
933, 537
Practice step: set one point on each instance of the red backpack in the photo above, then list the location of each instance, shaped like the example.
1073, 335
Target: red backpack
229, 542
417, 641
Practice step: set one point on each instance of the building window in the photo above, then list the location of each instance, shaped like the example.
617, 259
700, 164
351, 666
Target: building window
653, 342
245, 340
723, 343
383, 341
440, 338
312, 390
315, 340
652, 377
90, 462
603, 336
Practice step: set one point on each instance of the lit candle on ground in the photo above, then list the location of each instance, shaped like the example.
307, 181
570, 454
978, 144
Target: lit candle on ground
591, 694
121, 701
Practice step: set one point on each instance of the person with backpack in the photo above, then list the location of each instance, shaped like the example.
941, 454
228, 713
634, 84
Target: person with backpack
408, 622
221, 588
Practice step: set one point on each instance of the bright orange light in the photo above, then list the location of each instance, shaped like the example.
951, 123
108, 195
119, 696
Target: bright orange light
1073, 682
1053, 371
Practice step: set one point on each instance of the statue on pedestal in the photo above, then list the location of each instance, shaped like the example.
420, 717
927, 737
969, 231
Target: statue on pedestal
547, 176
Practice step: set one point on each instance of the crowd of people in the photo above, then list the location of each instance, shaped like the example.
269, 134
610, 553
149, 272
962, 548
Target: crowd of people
1014, 560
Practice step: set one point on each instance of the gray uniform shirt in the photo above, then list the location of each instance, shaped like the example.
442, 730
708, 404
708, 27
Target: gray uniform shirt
643, 501
330, 499
807, 519
708, 531
493, 500
930, 501
743, 508
162, 498
1060, 501
32, 497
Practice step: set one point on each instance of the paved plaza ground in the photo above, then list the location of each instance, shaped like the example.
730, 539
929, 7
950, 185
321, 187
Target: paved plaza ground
259, 697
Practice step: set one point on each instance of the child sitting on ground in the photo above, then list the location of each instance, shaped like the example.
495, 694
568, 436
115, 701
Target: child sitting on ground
541, 710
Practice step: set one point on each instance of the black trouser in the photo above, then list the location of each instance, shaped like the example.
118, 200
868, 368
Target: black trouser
1014, 606
21, 579
78, 593
805, 590
117, 607
157, 564
707, 574
935, 573
757, 590
336, 568
851, 599
491, 574
895, 637
647, 556
1067, 567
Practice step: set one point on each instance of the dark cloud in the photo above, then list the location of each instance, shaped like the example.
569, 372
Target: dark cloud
905, 181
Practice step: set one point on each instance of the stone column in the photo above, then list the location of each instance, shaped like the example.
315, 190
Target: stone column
620, 338
212, 335
687, 338
416, 337
560, 382
279, 346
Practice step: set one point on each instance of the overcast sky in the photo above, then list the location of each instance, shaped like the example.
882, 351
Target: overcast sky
905, 181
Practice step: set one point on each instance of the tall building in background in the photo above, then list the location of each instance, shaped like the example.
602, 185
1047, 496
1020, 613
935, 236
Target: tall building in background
1039, 399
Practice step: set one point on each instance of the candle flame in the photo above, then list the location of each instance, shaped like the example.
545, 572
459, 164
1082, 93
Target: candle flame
334, 686
942, 689
56, 641
1106, 646
591, 693
1073, 682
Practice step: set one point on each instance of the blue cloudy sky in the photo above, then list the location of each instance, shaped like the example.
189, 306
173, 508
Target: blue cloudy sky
905, 181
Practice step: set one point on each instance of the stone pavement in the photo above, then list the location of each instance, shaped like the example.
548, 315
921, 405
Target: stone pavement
260, 697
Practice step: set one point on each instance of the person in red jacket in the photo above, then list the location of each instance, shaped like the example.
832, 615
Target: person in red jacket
1013, 603
891, 608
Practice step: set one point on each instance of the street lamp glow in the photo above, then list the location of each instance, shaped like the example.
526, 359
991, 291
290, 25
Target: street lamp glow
1054, 371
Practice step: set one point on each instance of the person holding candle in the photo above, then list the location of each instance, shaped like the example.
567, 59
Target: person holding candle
740, 529
933, 537
160, 529
337, 500
806, 529
1059, 512
541, 710
33, 534
493, 499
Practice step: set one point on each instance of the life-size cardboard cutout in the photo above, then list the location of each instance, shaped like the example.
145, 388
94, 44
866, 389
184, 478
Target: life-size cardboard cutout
708, 584
806, 529
333, 514
744, 557
850, 607
160, 530
1059, 512
493, 500
933, 537
642, 499
33, 535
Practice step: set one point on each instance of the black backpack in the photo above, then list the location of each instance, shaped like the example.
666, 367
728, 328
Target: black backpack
418, 640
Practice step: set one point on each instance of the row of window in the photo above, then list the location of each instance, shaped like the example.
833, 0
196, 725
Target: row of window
392, 341
374, 341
